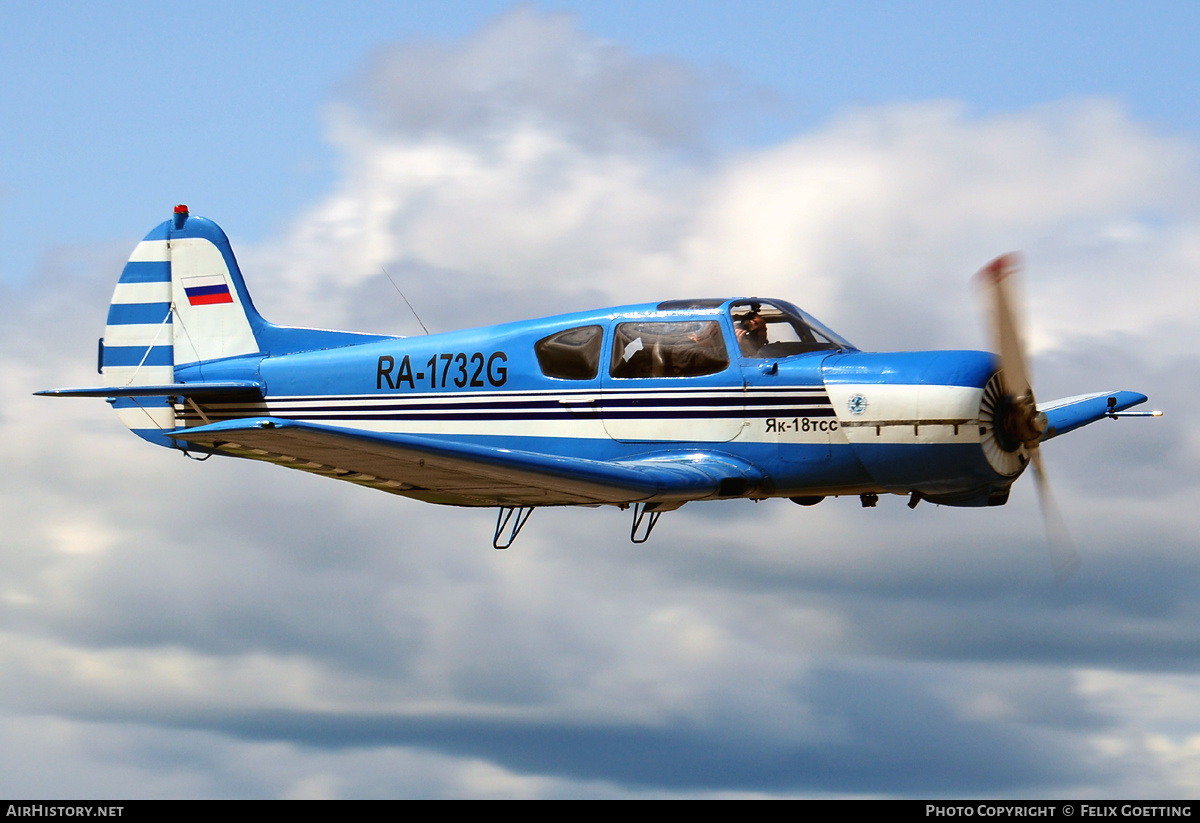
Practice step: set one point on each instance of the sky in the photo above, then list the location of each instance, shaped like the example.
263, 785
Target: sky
177, 629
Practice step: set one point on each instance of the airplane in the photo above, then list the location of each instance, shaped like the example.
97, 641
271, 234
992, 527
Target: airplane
645, 406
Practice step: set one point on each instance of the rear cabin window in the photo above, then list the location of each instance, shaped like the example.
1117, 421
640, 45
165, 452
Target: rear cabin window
573, 354
688, 348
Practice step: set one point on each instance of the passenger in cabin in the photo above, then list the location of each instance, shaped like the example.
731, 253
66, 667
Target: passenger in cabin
706, 353
752, 332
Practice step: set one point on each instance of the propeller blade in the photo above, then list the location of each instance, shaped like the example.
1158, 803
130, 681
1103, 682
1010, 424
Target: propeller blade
1022, 423
996, 278
1063, 555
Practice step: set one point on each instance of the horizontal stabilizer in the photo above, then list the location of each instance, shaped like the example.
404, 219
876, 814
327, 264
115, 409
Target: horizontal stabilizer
224, 388
1070, 413
470, 474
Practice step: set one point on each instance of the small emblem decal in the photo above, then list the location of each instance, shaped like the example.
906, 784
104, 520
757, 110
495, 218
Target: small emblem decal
857, 404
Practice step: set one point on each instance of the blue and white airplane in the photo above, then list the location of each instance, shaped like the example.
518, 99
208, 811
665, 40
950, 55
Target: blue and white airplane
648, 406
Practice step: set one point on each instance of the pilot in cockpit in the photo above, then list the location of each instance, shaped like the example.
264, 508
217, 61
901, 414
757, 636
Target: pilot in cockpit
752, 332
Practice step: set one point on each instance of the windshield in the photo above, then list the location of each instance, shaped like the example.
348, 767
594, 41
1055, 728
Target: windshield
773, 328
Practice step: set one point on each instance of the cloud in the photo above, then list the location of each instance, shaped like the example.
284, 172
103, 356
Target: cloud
875, 221
162, 618
527, 68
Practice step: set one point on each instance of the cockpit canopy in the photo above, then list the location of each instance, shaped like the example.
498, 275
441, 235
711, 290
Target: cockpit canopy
687, 338
773, 328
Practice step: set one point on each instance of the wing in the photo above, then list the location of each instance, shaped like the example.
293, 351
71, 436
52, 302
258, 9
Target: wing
1070, 413
470, 474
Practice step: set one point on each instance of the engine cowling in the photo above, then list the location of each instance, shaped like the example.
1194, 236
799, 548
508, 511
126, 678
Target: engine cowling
927, 422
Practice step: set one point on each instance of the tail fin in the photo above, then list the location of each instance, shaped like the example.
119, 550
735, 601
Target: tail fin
181, 299
181, 303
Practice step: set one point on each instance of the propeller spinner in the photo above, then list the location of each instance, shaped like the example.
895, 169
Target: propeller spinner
1018, 423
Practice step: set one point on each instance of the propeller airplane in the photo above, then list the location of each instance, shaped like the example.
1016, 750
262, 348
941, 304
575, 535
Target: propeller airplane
646, 407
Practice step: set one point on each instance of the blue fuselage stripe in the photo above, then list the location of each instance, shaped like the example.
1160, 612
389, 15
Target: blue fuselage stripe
528, 414
608, 405
453, 409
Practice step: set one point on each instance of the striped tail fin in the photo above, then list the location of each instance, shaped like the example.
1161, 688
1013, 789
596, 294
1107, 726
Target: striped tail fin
181, 300
182, 327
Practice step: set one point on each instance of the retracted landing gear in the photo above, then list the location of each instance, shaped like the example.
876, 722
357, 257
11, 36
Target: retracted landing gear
506, 533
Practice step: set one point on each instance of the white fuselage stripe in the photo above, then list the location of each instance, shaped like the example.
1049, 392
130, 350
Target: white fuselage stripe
890, 414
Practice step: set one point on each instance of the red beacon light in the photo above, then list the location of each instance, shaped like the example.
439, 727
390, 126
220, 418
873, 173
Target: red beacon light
181, 215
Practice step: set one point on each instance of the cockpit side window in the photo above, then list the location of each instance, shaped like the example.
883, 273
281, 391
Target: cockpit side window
686, 348
573, 354
768, 329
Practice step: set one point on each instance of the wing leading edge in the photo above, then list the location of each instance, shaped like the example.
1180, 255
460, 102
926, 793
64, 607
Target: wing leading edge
1070, 413
470, 474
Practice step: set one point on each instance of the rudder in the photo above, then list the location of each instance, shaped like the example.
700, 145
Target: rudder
180, 300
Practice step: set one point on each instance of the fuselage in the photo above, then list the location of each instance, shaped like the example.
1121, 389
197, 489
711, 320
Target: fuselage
817, 415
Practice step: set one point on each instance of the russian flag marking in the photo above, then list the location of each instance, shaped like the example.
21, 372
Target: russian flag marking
206, 290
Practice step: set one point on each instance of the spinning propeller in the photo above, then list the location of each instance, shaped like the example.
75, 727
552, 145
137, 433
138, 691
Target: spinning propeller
1017, 422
